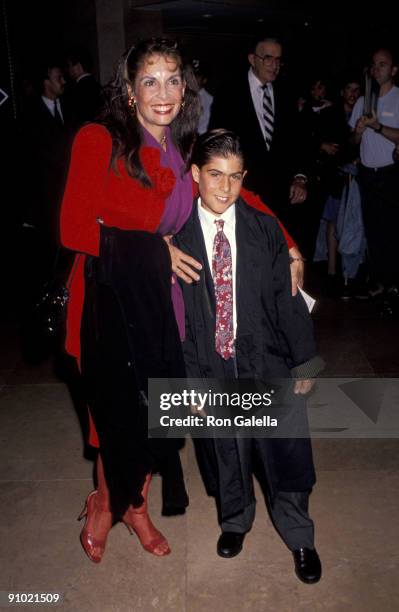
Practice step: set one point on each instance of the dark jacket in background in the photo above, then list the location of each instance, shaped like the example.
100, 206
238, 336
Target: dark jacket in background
329, 125
85, 100
270, 173
48, 145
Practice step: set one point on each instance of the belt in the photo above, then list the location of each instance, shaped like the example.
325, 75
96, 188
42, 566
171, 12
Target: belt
381, 170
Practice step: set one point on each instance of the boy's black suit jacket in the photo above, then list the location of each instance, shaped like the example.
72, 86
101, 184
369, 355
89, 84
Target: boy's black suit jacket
274, 335
274, 329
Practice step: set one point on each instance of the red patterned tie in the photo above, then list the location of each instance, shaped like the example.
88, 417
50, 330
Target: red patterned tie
222, 271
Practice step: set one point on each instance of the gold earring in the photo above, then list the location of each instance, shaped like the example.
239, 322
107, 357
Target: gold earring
183, 104
132, 104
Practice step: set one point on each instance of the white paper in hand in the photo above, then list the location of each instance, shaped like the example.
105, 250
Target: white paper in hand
310, 302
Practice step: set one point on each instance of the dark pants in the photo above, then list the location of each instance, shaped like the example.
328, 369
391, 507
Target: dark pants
380, 205
289, 509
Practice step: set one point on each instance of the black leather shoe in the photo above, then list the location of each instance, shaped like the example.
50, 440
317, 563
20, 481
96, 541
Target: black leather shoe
307, 565
230, 544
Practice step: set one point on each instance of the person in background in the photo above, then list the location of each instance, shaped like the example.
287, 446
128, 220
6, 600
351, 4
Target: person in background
332, 152
317, 99
338, 117
46, 129
378, 135
263, 113
85, 93
323, 147
202, 74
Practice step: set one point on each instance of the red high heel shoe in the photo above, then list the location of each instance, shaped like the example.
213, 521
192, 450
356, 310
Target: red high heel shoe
137, 519
97, 525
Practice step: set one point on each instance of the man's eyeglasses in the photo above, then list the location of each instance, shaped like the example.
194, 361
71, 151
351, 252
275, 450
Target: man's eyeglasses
270, 59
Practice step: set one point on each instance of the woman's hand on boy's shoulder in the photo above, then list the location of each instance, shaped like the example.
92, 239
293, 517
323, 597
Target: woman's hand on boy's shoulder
183, 265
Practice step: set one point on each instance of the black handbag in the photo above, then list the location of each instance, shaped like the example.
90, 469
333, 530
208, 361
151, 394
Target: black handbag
50, 309
44, 329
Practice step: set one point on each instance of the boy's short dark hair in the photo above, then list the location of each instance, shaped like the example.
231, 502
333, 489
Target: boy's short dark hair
215, 143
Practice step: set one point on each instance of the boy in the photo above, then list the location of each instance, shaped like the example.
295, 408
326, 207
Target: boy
242, 322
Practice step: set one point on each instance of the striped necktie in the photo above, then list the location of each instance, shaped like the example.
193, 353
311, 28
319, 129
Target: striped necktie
268, 116
222, 271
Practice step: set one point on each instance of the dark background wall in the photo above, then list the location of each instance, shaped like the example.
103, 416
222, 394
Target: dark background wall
334, 38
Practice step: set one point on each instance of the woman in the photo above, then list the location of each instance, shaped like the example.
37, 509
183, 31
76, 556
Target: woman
126, 190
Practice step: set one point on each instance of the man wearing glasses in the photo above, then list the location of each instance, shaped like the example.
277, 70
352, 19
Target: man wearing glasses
265, 120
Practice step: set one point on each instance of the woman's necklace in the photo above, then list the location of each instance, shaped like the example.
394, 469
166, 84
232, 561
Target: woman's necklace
162, 142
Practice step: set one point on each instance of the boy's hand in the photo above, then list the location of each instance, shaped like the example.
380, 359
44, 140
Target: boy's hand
297, 270
197, 411
302, 387
182, 264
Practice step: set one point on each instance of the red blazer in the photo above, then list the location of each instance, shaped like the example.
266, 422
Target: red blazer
95, 192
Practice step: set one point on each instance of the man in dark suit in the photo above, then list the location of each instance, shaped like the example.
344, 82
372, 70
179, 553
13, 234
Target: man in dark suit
264, 117
242, 322
47, 134
85, 92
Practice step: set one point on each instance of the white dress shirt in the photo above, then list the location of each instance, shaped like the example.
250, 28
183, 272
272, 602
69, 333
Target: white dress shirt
256, 88
50, 105
209, 230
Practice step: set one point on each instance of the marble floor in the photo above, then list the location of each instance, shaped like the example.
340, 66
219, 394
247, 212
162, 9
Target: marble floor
46, 472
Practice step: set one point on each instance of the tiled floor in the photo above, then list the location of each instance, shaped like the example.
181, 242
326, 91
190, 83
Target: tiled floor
44, 479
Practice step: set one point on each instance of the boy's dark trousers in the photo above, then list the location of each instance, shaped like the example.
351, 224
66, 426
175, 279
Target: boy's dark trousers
288, 509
